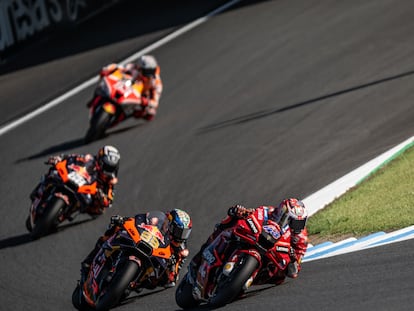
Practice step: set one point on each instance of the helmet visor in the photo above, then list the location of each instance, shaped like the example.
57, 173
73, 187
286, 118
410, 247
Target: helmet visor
297, 225
148, 72
181, 233
109, 170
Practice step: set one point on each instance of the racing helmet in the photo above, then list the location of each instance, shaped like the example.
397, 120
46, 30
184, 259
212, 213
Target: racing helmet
180, 224
108, 162
147, 65
291, 212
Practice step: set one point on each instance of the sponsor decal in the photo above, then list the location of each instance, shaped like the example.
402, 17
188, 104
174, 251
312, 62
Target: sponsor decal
208, 256
260, 214
153, 230
272, 230
252, 225
282, 249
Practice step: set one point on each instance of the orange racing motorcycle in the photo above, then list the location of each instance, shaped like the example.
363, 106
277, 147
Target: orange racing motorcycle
237, 258
117, 97
68, 191
133, 258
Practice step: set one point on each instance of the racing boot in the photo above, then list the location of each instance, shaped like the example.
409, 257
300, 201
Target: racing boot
172, 278
149, 117
86, 263
84, 270
36, 193
292, 270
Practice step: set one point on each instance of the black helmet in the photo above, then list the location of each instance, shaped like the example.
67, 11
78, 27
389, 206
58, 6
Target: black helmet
108, 161
147, 65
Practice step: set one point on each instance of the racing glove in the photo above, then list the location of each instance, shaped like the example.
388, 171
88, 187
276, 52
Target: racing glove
53, 160
239, 211
108, 69
117, 220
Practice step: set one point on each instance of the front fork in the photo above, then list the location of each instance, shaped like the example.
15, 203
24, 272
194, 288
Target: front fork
236, 258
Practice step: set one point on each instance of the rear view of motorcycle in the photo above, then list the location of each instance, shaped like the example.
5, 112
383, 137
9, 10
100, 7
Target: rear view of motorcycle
117, 97
67, 191
236, 259
133, 258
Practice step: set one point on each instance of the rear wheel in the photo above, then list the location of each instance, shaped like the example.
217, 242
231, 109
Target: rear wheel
49, 219
97, 126
232, 286
118, 286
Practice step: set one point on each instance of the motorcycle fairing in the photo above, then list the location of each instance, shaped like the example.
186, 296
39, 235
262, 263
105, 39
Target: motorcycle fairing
134, 243
78, 176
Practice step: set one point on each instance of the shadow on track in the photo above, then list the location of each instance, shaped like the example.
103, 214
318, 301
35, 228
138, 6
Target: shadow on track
72, 144
135, 298
26, 238
16, 241
269, 112
250, 293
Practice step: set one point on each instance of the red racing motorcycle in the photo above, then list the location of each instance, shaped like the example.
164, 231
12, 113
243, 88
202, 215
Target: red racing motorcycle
116, 98
236, 259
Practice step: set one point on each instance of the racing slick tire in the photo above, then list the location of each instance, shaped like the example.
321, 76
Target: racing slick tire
78, 301
49, 219
184, 295
118, 286
97, 126
230, 287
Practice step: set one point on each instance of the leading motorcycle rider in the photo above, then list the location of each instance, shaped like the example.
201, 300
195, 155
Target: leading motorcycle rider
177, 229
103, 167
290, 215
146, 71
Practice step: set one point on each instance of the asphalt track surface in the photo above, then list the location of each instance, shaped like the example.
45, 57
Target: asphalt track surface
267, 100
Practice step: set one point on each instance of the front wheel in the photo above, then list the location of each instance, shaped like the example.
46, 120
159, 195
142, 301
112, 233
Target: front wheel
98, 126
28, 224
119, 284
49, 219
78, 301
184, 295
231, 286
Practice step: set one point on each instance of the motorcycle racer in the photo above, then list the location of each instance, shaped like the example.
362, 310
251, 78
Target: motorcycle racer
146, 71
290, 215
103, 167
177, 228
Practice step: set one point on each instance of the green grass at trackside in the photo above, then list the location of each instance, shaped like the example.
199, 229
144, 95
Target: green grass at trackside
384, 201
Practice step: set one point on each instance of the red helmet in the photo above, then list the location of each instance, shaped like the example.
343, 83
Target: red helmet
291, 212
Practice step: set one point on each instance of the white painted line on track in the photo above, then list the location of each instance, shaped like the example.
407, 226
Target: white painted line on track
8, 127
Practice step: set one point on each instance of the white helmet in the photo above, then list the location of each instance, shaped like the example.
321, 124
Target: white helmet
291, 212
147, 65
108, 161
